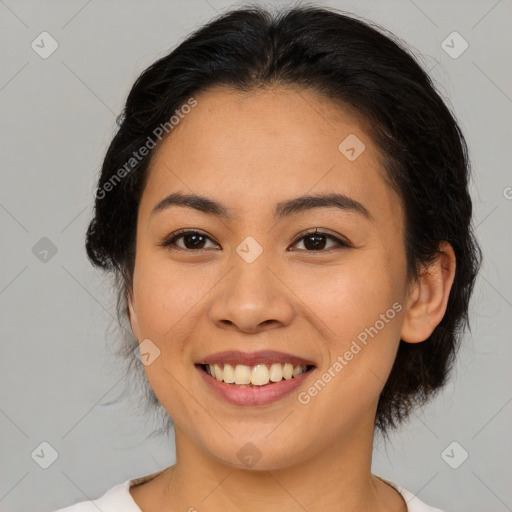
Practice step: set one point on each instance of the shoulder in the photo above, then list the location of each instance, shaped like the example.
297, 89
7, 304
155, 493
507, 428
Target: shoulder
116, 499
414, 504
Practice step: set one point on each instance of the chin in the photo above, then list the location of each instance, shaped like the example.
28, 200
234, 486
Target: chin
257, 453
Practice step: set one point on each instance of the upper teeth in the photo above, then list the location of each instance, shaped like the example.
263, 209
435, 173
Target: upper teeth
258, 375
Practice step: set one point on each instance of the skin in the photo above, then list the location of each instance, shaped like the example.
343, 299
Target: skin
250, 151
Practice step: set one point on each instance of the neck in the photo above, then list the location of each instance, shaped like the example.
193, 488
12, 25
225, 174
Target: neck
338, 478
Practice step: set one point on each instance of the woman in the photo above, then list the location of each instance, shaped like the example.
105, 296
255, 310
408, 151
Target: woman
286, 210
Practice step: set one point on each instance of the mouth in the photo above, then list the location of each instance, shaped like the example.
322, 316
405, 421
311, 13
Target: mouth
253, 378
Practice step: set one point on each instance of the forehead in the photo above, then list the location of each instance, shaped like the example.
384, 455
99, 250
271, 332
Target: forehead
245, 148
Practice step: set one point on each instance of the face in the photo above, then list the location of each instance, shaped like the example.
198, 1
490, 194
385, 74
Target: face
250, 282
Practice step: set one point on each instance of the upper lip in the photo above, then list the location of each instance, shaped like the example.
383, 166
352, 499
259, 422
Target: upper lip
234, 357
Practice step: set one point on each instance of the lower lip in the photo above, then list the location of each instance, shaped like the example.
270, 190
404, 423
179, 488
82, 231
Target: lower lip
253, 395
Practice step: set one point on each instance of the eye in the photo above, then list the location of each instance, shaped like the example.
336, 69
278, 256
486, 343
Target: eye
192, 240
315, 240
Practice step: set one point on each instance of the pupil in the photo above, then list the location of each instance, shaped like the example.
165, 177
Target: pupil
315, 245
197, 239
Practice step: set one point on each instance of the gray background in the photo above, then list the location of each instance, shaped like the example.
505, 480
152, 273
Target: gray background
58, 116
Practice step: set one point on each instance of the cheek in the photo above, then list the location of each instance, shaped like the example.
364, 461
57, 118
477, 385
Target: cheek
165, 302
357, 310
362, 337
168, 297
348, 298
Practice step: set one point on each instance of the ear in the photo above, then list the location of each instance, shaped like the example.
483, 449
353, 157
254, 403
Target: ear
132, 315
428, 297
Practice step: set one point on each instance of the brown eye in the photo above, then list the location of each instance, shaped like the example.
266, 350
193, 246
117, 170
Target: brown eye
192, 240
317, 241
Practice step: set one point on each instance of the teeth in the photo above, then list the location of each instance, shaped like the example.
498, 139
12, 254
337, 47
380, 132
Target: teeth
297, 371
258, 375
218, 372
242, 374
288, 371
229, 374
276, 372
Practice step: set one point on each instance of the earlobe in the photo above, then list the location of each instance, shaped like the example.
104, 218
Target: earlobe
428, 297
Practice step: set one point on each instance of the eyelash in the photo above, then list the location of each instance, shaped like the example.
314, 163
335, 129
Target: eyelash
169, 241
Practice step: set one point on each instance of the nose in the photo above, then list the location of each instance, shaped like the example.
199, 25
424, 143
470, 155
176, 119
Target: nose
252, 297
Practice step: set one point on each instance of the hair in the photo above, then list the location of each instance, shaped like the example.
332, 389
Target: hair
354, 63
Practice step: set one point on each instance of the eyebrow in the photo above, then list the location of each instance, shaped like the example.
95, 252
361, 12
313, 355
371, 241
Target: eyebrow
281, 210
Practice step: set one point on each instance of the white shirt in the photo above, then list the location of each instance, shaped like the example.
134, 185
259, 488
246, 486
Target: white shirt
119, 499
